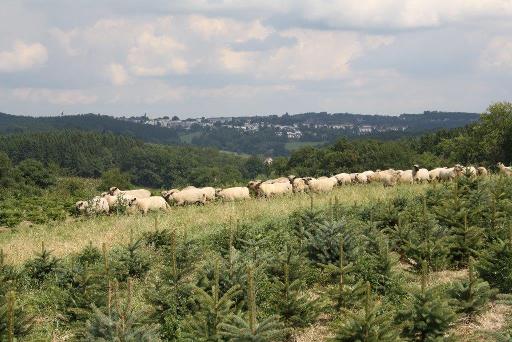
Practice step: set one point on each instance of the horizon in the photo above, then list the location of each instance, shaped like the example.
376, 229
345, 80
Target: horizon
237, 58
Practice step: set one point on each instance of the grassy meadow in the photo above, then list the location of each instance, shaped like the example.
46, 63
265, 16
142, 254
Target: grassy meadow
73, 234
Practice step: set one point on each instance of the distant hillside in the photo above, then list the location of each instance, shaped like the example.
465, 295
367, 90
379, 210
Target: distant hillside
88, 122
271, 135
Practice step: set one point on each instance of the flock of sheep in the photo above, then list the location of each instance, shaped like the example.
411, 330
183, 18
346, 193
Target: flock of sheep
142, 201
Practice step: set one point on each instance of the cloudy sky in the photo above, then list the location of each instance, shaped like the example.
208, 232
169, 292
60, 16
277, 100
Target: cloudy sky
229, 57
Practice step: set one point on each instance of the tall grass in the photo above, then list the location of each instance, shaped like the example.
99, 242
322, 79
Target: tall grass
73, 234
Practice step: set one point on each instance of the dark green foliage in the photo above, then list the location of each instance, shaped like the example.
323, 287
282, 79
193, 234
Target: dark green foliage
43, 266
471, 295
424, 238
250, 329
428, 316
215, 308
292, 304
322, 244
371, 324
114, 177
494, 265
89, 255
129, 261
158, 239
15, 323
120, 322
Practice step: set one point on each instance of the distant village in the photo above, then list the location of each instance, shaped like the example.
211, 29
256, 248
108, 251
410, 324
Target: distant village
252, 124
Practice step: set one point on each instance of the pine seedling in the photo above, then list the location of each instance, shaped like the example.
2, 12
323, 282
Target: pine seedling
371, 324
344, 295
122, 324
470, 296
291, 304
14, 322
42, 266
494, 264
214, 309
465, 241
429, 316
249, 329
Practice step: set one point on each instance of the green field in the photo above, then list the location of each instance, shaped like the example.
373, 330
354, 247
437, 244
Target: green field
405, 257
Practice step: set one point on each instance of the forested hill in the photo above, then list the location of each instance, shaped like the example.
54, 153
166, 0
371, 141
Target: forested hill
271, 135
88, 122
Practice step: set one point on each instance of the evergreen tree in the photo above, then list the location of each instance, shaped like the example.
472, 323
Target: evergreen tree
471, 295
42, 266
241, 329
429, 316
214, 309
345, 293
168, 292
291, 304
121, 322
494, 264
371, 324
465, 242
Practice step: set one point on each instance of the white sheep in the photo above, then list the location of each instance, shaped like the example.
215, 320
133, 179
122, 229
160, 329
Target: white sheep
139, 193
233, 194
420, 175
405, 177
434, 173
152, 203
321, 184
97, 205
270, 190
299, 185
343, 178
504, 170
188, 196
481, 171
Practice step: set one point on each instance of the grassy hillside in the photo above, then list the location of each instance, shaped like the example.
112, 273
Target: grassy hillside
405, 254
196, 221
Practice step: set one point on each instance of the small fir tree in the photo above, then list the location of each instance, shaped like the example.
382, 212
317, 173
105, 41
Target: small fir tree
214, 309
429, 316
249, 329
494, 264
470, 296
371, 324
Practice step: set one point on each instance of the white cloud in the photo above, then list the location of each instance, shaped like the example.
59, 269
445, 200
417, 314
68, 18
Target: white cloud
23, 56
54, 96
498, 54
157, 55
117, 74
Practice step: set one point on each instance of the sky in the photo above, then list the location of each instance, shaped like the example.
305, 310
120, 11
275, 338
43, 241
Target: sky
227, 57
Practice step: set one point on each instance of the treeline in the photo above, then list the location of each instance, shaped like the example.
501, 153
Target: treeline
90, 154
11, 124
485, 142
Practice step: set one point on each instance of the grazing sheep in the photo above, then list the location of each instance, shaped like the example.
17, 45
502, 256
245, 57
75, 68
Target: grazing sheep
233, 194
481, 171
97, 205
299, 185
209, 192
420, 175
434, 173
322, 184
269, 190
451, 173
353, 177
120, 200
361, 178
343, 178
152, 203
139, 193
370, 175
189, 196
405, 177
387, 177
505, 170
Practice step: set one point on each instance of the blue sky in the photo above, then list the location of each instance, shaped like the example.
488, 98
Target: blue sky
215, 57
